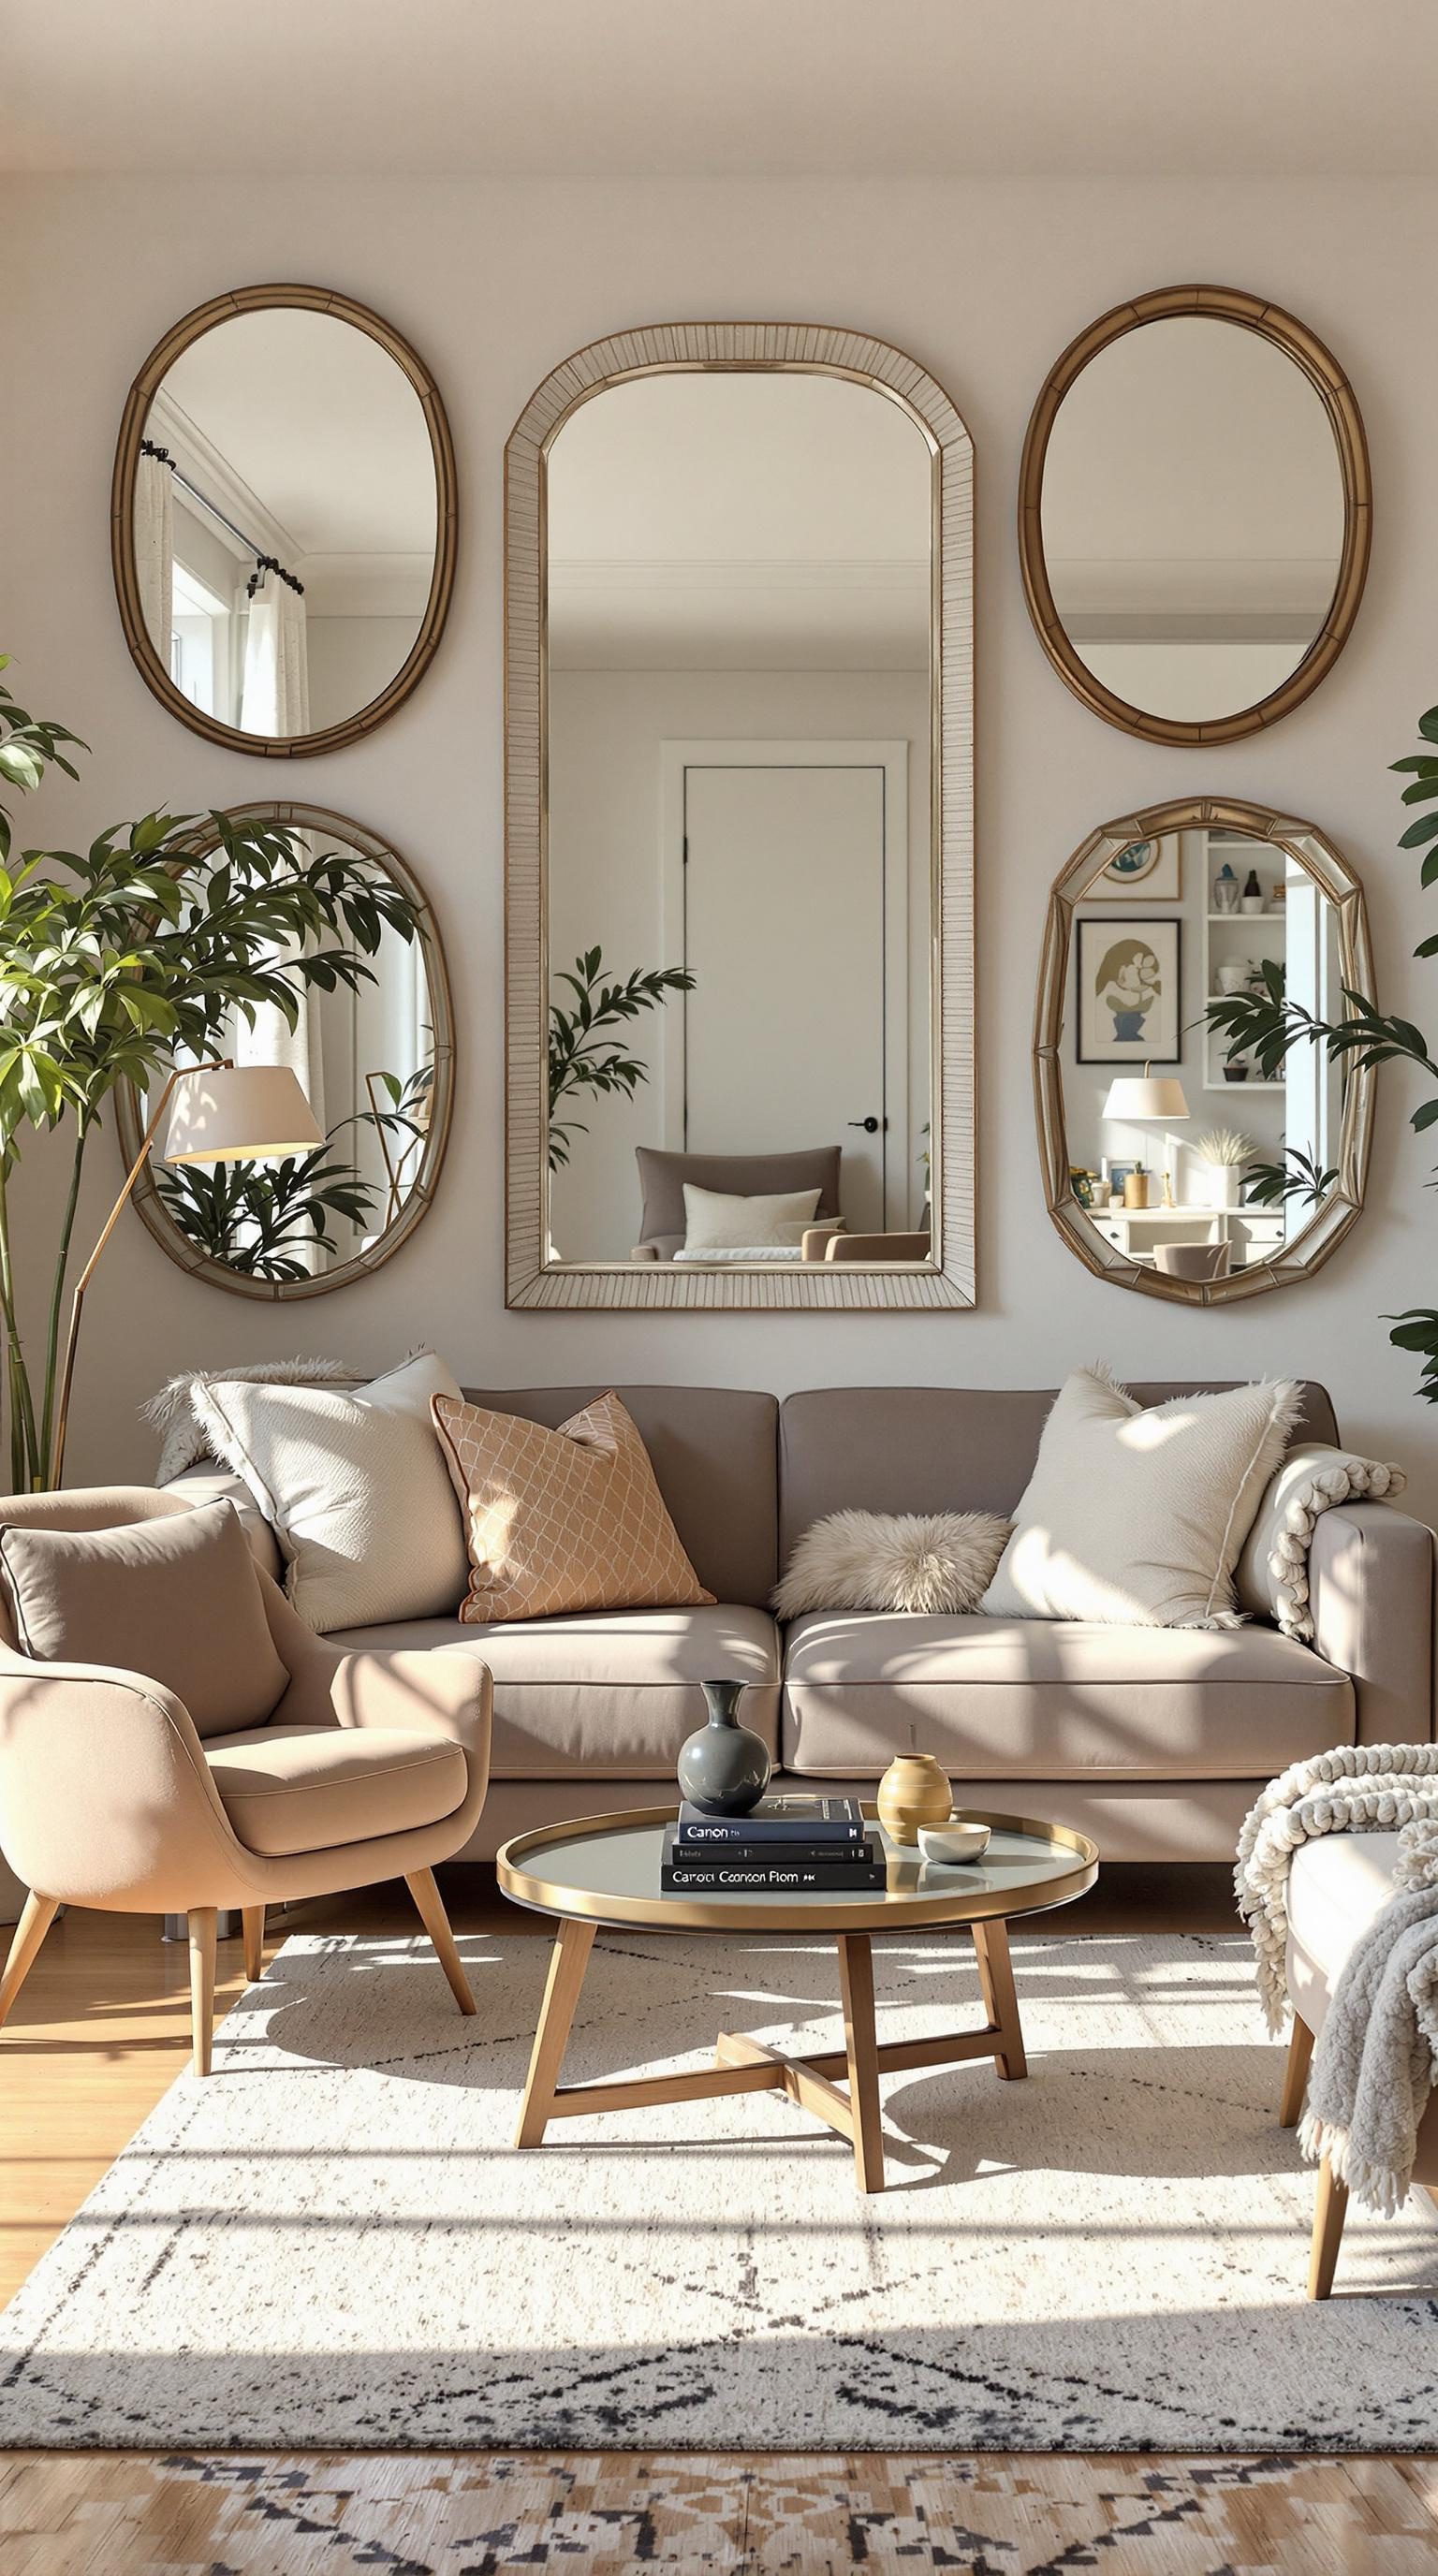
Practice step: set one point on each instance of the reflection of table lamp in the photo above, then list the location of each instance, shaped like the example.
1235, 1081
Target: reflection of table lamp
1142, 1097
223, 1113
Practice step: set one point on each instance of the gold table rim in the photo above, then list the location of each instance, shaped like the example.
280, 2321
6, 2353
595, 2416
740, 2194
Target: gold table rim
883, 1912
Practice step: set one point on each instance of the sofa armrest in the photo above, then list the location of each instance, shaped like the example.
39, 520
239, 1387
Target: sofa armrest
645, 1252
1371, 1593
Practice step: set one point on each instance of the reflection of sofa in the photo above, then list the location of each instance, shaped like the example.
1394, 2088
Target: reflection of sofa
1155, 1740
820, 1245
662, 1177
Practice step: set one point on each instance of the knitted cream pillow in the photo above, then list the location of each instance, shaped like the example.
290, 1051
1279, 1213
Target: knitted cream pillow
1273, 1568
561, 1520
1135, 1515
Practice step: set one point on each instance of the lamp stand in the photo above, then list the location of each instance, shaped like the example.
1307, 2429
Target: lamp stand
55, 1467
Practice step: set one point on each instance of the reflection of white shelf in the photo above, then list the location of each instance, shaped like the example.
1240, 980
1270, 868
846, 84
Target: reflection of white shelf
1268, 926
1249, 920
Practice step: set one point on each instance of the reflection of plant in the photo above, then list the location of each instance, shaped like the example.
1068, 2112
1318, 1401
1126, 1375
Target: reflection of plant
1296, 1177
1226, 1147
141, 950
261, 1219
581, 1059
1271, 1024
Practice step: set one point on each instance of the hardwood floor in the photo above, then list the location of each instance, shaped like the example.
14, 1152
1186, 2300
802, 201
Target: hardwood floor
102, 2028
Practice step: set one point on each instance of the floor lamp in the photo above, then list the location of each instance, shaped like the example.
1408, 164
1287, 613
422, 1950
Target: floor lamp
219, 1113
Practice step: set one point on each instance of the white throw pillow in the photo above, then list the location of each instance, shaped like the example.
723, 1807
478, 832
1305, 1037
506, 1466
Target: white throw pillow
932, 1561
1135, 1515
1273, 1568
714, 1220
354, 1483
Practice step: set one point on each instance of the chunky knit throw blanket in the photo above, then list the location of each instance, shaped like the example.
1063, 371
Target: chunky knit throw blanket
1377, 2058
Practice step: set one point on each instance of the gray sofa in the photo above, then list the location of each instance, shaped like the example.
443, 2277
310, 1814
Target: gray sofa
1154, 1740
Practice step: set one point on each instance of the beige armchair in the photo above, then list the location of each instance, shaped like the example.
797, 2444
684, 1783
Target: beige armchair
372, 1766
820, 1244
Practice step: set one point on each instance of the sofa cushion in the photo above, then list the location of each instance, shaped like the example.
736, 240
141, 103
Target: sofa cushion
936, 1448
611, 1694
310, 1788
1054, 1700
714, 1451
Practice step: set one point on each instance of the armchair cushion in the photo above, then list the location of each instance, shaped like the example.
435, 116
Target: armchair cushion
176, 1599
292, 1789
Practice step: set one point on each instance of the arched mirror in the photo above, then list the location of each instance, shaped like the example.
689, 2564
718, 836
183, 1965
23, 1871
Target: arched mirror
1178, 1159
1194, 514
283, 520
375, 1060
739, 646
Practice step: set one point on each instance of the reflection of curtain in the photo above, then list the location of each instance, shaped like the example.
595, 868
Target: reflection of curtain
155, 551
275, 694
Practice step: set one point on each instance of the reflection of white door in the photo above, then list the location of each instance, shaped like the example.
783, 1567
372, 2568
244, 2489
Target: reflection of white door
792, 918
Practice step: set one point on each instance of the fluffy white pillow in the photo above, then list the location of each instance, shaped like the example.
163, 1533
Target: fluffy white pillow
934, 1561
1135, 1515
353, 1482
714, 1220
1273, 1568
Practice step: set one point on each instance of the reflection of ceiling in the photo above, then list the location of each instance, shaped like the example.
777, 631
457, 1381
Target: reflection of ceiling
739, 520
1192, 490
320, 425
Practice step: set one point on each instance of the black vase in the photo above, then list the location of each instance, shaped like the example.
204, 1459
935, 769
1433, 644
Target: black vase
724, 1768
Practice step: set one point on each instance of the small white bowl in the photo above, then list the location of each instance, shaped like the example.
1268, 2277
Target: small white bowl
954, 1842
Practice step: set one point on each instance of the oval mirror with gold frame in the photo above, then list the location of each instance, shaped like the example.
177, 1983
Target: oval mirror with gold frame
376, 1064
283, 520
1194, 514
1148, 1175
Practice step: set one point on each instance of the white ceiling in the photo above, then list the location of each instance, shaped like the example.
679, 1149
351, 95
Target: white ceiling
696, 88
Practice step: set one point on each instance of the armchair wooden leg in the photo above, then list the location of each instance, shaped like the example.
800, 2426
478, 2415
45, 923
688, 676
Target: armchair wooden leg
36, 1916
202, 1924
1295, 2074
253, 1921
432, 1915
1330, 2210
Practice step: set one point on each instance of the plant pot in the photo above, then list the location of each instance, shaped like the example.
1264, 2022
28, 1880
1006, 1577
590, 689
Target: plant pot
914, 1791
724, 1768
1225, 1184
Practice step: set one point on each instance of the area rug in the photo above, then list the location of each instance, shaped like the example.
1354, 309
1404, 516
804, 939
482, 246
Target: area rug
332, 2243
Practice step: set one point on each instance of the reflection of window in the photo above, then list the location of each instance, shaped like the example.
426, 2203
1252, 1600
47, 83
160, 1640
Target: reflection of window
200, 643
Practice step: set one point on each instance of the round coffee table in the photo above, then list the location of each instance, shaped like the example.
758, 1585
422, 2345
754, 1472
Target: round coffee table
605, 1870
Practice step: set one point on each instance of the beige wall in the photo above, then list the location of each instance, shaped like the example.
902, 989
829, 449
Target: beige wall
984, 283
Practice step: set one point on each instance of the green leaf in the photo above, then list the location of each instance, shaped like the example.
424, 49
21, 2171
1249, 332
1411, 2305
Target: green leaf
1419, 832
1425, 1116
1428, 725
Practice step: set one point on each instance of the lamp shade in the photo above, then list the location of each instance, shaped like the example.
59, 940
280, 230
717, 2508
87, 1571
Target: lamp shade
1146, 1095
233, 1113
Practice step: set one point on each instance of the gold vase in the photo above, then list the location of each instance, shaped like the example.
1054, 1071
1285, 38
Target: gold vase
914, 1791
1135, 1190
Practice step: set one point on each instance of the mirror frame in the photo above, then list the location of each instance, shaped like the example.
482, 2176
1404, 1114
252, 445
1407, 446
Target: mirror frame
756, 348
130, 1117
205, 317
1330, 1223
1251, 313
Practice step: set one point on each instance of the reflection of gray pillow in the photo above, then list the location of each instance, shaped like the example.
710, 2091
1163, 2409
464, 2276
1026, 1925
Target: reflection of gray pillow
1135, 1514
934, 1561
1272, 1578
662, 1177
717, 1221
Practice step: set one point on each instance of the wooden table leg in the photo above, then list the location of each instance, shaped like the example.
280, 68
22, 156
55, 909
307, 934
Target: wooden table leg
567, 1963
856, 1985
996, 1979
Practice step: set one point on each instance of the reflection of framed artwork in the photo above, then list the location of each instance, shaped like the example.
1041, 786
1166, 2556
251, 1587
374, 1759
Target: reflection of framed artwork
1156, 866
1128, 991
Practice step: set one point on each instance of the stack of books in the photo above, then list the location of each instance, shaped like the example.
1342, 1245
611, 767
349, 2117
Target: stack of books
784, 1846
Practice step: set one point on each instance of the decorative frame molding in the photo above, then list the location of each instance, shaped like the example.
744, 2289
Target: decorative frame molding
533, 1282
224, 308
1251, 313
1330, 1223
129, 1112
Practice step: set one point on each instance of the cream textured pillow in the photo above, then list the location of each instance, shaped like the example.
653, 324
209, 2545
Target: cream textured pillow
562, 1520
1135, 1515
1273, 1568
715, 1221
353, 1482
176, 1599
934, 1561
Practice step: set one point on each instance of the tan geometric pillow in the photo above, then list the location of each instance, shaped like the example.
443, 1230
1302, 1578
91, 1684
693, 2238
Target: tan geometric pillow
565, 1520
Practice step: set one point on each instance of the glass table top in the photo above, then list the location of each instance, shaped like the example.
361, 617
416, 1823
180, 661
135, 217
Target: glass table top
595, 1865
